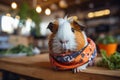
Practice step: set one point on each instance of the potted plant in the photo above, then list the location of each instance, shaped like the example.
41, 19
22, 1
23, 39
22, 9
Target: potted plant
107, 43
26, 12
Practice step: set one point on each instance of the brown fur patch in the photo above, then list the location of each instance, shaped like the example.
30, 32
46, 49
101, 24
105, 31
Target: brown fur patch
79, 36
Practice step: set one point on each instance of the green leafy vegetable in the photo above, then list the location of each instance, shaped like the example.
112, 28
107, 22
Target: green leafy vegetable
18, 49
111, 62
107, 39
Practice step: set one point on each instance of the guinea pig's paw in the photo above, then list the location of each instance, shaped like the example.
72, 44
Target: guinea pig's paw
91, 63
80, 68
76, 70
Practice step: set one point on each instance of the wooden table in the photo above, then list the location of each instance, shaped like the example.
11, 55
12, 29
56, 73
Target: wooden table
38, 67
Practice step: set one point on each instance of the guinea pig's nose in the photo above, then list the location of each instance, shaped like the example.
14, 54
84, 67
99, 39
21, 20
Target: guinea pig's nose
63, 41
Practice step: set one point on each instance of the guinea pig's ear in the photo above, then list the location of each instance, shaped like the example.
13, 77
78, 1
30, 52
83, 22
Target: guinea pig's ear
82, 26
50, 26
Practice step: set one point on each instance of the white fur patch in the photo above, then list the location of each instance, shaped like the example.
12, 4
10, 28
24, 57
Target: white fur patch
64, 34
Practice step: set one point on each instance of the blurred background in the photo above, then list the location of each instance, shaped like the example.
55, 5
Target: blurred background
25, 21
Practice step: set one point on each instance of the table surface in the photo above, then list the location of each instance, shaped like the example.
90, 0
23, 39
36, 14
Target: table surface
38, 66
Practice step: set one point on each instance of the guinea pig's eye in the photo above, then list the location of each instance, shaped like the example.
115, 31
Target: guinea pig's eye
50, 26
72, 29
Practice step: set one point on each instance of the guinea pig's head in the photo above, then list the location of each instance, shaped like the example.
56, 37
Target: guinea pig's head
67, 35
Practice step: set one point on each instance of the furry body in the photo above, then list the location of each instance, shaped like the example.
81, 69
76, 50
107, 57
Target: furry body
65, 40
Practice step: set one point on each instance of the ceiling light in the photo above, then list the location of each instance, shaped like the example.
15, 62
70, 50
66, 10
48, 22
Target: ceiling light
29, 19
8, 14
14, 5
91, 15
38, 9
107, 12
98, 13
47, 11
17, 17
63, 4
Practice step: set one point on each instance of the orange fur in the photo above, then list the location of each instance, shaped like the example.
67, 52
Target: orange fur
79, 37
80, 40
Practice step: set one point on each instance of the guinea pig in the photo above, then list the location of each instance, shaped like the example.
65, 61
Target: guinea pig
69, 46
